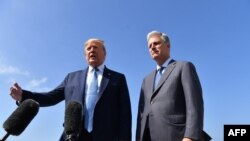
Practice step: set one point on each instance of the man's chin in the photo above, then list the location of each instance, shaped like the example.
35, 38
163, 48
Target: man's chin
154, 57
93, 63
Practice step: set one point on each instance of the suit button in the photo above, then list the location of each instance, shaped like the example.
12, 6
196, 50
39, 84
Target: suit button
151, 102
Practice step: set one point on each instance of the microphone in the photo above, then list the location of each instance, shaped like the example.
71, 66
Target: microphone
73, 120
20, 118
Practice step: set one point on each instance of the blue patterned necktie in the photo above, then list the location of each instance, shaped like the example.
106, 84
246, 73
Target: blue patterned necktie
158, 76
91, 100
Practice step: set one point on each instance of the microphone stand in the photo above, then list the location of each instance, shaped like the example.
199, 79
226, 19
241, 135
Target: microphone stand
5, 137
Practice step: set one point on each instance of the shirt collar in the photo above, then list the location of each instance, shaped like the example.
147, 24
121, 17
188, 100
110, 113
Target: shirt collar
165, 64
100, 68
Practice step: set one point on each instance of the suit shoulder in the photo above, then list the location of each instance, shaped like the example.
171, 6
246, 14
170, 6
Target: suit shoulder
184, 63
115, 72
150, 74
75, 72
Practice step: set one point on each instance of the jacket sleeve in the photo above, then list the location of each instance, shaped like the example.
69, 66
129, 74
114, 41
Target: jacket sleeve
139, 114
194, 101
46, 98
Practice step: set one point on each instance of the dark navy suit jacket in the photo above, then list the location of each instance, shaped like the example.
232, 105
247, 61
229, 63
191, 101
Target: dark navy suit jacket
112, 115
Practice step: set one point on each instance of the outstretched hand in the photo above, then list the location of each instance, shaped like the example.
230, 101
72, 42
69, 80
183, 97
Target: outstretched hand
16, 92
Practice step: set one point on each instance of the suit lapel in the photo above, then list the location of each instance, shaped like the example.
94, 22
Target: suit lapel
105, 80
165, 76
151, 80
83, 83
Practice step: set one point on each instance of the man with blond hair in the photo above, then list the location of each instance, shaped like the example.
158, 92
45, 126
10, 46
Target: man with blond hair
102, 92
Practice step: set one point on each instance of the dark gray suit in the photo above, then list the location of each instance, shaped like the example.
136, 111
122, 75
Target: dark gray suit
173, 110
112, 114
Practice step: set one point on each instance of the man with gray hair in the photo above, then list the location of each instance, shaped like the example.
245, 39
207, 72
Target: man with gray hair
171, 104
103, 94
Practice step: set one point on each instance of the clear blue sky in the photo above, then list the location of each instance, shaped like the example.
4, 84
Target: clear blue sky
41, 41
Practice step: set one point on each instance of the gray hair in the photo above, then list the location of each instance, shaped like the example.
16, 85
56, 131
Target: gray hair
163, 36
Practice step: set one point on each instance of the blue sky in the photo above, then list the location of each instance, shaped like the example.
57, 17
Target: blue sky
41, 41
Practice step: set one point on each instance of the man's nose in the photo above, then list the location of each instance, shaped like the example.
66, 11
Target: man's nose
153, 47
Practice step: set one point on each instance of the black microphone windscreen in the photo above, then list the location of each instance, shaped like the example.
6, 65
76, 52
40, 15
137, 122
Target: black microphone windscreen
73, 118
21, 117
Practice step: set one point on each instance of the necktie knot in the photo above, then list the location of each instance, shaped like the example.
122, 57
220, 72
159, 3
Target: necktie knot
161, 70
158, 75
95, 70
